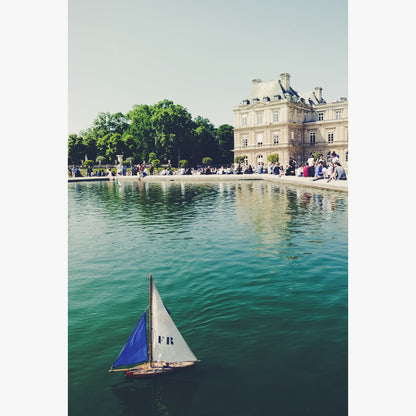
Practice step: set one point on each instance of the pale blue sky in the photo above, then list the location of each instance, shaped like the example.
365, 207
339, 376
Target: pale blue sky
200, 54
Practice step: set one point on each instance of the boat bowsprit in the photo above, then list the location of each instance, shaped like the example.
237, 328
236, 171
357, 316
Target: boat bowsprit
163, 351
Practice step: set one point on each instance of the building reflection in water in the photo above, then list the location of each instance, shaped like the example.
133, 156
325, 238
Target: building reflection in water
275, 213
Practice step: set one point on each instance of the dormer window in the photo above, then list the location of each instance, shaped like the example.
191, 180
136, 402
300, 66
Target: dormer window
320, 116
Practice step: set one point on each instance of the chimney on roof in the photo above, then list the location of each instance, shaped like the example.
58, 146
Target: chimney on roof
318, 93
285, 80
256, 81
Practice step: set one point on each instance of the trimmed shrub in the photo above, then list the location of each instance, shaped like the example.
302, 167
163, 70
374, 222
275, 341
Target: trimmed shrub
207, 161
87, 163
273, 158
156, 163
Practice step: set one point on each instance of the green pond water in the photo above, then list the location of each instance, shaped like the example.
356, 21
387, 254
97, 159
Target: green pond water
254, 274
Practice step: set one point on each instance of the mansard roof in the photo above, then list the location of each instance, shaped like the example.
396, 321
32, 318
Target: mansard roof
274, 90
311, 98
270, 89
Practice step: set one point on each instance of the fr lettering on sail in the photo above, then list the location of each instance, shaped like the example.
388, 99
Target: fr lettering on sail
169, 340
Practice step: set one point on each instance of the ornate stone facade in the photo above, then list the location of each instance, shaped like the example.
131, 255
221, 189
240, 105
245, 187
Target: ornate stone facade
274, 118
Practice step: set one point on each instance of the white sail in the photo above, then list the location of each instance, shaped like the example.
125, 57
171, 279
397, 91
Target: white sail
167, 342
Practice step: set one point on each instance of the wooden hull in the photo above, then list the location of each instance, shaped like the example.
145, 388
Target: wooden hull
145, 370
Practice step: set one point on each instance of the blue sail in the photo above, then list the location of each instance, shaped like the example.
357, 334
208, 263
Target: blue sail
135, 349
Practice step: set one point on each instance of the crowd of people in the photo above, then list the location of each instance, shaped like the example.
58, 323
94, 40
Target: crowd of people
322, 169
315, 169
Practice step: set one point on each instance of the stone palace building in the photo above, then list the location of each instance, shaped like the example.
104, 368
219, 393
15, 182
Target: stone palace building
274, 118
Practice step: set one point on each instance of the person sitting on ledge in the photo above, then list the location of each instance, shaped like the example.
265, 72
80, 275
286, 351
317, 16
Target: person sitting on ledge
248, 171
276, 169
306, 171
339, 173
290, 171
319, 174
77, 173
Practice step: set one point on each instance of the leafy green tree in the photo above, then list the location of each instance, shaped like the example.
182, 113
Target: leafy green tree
239, 159
75, 149
106, 123
172, 124
110, 145
163, 131
141, 130
89, 144
115, 146
203, 140
183, 163
225, 142
128, 147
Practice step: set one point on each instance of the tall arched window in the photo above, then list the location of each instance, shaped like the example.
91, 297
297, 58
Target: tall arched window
259, 159
245, 160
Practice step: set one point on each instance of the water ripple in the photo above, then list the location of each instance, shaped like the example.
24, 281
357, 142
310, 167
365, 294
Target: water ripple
255, 276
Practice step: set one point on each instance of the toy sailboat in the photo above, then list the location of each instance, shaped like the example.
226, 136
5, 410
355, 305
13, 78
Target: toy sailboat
166, 351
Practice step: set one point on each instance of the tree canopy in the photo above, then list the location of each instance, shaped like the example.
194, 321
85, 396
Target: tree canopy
164, 131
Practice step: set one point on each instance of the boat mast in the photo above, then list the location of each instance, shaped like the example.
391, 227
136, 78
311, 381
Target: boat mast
150, 320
